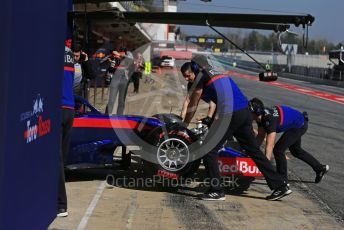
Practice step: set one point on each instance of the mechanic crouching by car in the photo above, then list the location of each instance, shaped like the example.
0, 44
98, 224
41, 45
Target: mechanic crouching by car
293, 124
233, 118
208, 120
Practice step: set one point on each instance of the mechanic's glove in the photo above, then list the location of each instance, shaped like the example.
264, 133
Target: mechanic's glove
207, 121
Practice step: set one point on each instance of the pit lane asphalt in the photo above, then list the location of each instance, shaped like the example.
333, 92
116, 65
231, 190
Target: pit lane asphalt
96, 205
324, 138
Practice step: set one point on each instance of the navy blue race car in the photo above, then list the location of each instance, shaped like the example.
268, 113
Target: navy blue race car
162, 141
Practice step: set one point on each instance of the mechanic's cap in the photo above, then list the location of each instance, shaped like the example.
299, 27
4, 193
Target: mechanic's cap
256, 106
201, 60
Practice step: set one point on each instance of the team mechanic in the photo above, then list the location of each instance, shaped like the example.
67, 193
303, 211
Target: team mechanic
232, 107
208, 120
293, 124
66, 128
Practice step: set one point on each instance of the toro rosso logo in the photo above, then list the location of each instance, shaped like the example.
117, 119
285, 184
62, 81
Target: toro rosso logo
36, 125
238, 166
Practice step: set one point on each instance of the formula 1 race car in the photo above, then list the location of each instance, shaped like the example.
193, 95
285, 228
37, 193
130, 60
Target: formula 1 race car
162, 141
173, 140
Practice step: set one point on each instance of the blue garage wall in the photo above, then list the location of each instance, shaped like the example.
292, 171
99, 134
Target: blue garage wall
31, 70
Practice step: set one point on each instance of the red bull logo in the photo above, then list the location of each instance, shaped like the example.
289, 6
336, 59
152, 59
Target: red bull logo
238, 166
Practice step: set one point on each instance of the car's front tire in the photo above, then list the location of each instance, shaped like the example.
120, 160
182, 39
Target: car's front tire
172, 157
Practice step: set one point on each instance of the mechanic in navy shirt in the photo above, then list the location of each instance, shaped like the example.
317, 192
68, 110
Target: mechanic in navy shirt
234, 117
66, 126
208, 120
293, 124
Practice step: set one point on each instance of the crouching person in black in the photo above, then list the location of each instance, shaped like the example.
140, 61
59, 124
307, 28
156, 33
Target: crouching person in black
293, 124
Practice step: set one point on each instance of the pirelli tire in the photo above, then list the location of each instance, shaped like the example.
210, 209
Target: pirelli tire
173, 157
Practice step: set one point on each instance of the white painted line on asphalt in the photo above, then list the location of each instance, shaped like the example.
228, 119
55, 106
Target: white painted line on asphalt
131, 211
91, 207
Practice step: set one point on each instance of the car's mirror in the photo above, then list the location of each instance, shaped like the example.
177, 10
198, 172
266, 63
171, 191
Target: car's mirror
268, 76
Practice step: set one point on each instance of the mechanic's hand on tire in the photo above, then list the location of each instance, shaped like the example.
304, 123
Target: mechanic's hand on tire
207, 121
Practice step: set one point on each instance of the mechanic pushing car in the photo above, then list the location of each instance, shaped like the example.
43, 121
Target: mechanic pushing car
293, 124
234, 117
208, 120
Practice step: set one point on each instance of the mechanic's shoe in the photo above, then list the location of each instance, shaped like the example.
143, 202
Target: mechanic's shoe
213, 196
62, 212
321, 173
280, 192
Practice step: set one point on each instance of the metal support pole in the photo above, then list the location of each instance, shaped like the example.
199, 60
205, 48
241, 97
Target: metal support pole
235, 45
